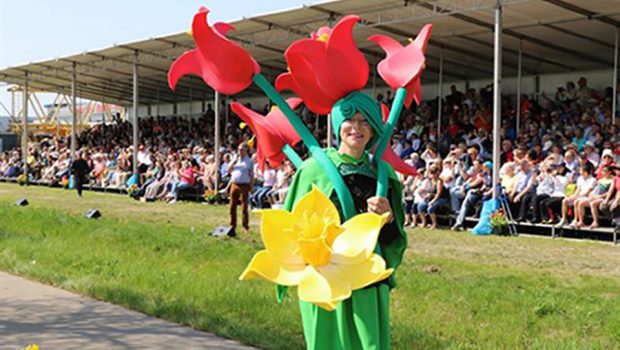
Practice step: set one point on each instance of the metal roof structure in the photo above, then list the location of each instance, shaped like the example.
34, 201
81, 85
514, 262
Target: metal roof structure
554, 36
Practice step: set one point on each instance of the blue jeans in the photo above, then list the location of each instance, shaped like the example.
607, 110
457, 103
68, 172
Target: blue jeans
259, 196
424, 207
178, 186
456, 195
470, 200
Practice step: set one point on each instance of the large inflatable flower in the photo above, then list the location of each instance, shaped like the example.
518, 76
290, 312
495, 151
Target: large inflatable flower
326, 67
403, 66
222, 64
309, 248
272, 131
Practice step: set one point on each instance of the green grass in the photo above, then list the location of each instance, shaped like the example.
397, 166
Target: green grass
455, 291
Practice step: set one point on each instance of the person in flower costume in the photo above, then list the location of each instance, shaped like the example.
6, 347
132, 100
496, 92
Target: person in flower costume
339, 237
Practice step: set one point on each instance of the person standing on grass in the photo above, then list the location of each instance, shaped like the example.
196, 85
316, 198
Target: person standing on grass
241, 171
80, 170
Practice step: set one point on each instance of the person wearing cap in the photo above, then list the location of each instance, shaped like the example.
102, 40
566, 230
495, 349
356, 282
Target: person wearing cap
478, 189
607, 159
361, 321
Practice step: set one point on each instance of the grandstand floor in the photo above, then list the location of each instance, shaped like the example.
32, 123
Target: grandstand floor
454, 290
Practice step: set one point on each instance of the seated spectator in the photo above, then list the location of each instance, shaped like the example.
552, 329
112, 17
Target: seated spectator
594, 199
551, 207
434, 198
585, 185
184, 179
477, 190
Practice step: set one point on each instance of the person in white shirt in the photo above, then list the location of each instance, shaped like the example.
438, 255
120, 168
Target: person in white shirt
585, 185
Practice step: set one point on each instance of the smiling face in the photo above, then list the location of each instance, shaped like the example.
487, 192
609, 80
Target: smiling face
356, 132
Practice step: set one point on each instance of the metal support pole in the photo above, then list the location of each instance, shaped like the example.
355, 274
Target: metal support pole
330, 132
135, 112
25, 127
216, 147
440, 94
614, 105
497, 95
74, 110
519, 87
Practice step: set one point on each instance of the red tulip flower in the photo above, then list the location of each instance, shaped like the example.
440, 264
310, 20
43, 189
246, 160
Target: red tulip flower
391, 158
403, 65
326, 67
222, 64
272, 131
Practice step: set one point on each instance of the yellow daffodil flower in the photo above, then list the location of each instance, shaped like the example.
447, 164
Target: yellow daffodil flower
309, 248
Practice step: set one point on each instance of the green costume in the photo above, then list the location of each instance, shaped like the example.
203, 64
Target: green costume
362, 321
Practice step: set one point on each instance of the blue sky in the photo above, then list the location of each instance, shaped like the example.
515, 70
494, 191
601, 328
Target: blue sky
32, 30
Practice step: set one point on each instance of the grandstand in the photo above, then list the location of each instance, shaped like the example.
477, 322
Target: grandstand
568, 39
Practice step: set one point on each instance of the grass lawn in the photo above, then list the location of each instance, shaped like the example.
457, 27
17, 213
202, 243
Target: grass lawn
455, 290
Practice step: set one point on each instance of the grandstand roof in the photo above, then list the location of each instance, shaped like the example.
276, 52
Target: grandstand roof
556, 36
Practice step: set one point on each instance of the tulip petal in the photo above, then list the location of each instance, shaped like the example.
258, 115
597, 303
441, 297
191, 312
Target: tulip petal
357, 243
278, 236
348, 68
389, 45
399, 69
421, 41
315, 202
316, 288
187, 63
360, 275
272, 131
265, 266
227, 67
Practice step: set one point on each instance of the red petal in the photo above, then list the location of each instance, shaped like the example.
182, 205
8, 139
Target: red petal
227, 67
187, 63
421, 41
390, 157
347, 66
272, 132
306, 60
389, 45
398, 164
399, 69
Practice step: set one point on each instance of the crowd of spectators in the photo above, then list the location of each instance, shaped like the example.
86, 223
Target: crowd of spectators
558, 166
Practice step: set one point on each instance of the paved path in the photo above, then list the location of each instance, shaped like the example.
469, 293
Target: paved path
31, 312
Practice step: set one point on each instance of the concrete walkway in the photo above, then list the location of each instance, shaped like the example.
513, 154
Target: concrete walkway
31, 312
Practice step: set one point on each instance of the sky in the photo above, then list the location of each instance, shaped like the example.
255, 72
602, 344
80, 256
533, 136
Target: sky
33, 30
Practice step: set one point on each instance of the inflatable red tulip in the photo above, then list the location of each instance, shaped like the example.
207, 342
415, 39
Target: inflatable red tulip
272, 131
326, 67
222, 64
403, 65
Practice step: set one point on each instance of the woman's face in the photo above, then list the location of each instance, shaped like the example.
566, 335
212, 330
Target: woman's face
356, 132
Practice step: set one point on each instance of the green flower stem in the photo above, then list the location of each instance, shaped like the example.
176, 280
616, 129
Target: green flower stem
397, 106
315, 149
292, 155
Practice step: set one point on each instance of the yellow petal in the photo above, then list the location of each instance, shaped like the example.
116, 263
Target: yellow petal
279, 237
333, 231
315, 251
360, 275
264, 266
317, 289
357, 243
316, 202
